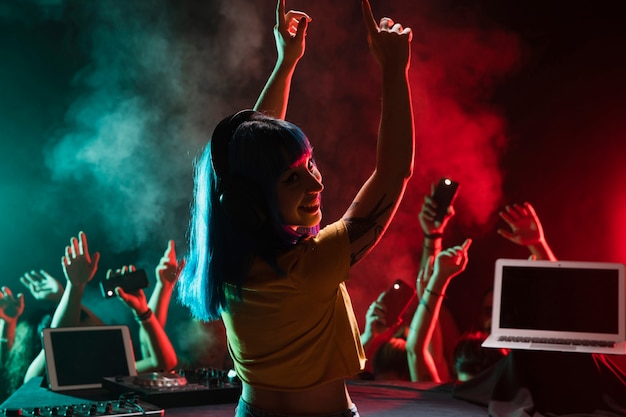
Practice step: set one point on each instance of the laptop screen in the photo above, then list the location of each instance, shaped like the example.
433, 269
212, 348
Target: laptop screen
79, 357
560, 299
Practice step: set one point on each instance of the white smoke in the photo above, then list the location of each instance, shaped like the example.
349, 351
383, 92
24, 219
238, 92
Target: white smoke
144, 105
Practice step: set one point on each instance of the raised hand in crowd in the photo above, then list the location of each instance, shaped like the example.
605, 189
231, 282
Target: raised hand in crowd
446, 265
135, 300
79, 267
158, 352
525, 229
167, 272
43, 286
428, 213
377, 331
11, 308
432, 230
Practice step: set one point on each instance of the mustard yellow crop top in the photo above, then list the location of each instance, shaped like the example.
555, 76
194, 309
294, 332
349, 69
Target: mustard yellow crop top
297, 331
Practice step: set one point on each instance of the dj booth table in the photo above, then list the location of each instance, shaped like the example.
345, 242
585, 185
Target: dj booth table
524, 384
373, 399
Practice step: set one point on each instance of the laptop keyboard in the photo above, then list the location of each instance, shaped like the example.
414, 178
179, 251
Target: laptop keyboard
554, 341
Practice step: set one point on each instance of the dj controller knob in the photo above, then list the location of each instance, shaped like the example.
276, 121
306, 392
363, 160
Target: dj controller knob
12, 412
36, 411
93, 410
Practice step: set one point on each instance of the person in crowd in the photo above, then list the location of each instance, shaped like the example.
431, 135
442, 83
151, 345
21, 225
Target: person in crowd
11, 308
432, 229
47, 292
435, 280
18, 356
471, 358
258, 258
524, 229
390, 361
158, 354
445, 333
200, 344
79, 267
167, 272
26, 346
384, 343
468, 357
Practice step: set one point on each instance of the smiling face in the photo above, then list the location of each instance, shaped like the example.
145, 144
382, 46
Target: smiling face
298, 191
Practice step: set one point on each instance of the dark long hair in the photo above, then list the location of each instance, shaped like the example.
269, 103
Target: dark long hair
254, 150
471, 358
25, 349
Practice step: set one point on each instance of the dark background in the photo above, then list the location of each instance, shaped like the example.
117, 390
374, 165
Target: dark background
104, 104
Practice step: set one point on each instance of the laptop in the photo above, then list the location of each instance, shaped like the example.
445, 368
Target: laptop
80, 357
566, 306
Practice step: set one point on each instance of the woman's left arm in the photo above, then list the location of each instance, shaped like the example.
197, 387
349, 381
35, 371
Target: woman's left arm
375, 204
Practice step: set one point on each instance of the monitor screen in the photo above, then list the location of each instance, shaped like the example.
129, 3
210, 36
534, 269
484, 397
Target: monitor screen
80, 357
560, 299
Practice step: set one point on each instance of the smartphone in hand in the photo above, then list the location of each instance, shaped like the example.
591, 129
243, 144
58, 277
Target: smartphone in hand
444, 196
131, 281
396, 300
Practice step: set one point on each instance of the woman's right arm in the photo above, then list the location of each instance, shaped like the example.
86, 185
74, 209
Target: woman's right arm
289, 33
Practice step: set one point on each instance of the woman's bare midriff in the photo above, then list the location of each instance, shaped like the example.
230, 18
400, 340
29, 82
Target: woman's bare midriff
329, 398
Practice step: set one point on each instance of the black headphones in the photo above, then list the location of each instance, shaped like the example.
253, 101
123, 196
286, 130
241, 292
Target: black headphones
243, 202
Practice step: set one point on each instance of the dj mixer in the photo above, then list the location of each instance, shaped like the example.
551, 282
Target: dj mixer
185, 388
